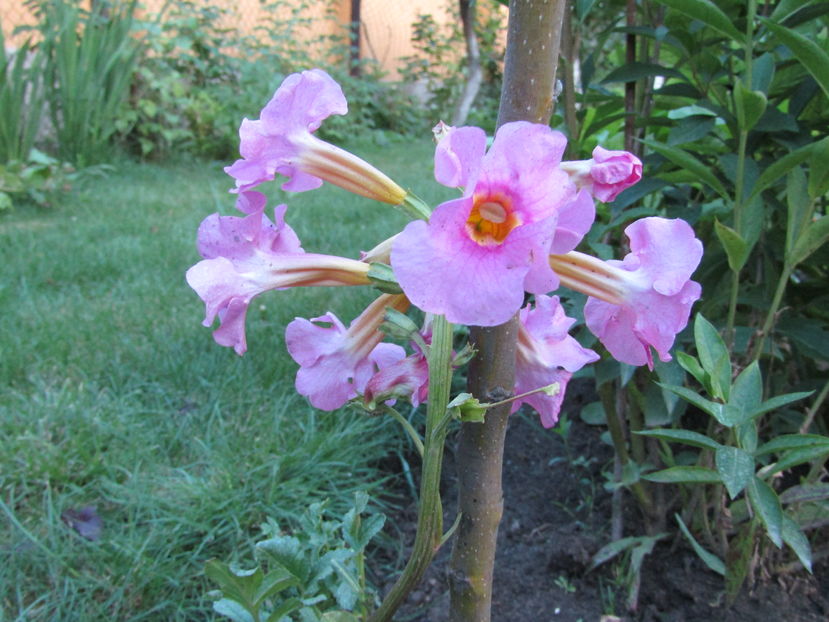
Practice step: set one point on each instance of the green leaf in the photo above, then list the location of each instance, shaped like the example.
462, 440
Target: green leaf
636, 71
232, 610
776, 402
809, 53
815, 236
736, 468
274, 582
710, 560
793, 441
714, 356
799, 543
750, 105
238, 585
285, 607
683, 436
747, 390
805, 493
709, 14
593, 414
736, 248
799, 456
780, 167
692, 397
684, 475
691, 365
819, 170
799, 205
690, 163
766, 504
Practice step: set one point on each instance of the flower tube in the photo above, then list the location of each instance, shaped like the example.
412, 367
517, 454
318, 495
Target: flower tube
643, 301
281, 142
337, 363
245, 256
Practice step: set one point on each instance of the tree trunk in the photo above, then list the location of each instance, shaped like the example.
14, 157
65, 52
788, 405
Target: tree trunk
533, 40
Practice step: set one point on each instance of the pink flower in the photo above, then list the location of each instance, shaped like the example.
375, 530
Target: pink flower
643, 301
337, 363
281, 141
245, 256
477, 254
607, 174
546, 354
407, 378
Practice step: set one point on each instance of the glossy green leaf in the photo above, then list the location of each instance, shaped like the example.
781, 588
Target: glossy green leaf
714, 356
766, 504
750, 105
797, 540
710, 560
709, 14
795, 457
712, 408
778, 401
690, 163
815, 236
687, 437
780, 167
684, 475
285, 608
233, 610
799, 206
736, 248
736, 468
819, 169
809, 53
747, 390
691, 365
793, 441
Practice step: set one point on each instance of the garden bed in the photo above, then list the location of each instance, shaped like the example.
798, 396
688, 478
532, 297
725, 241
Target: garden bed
557, 515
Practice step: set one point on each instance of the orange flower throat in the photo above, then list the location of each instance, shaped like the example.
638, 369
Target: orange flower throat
491, 219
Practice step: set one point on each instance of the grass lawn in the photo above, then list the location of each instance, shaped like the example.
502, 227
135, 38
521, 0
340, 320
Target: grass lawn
112, 394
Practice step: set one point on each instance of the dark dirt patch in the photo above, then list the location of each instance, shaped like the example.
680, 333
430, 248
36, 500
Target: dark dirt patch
557, 515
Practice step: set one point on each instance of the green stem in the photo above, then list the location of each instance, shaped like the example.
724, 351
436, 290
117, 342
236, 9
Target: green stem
775, 305
739, 182
607, 393
430, 514
418, 443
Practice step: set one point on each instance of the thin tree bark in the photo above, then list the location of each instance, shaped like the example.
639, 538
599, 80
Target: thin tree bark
533, 40
474, 74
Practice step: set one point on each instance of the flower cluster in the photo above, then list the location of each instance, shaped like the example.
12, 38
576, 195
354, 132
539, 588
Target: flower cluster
513, 231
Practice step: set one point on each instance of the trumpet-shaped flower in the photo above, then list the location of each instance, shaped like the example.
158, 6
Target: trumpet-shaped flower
245, 256
546, 354
281, 142
643, 301
607, 174
477, 254
337, 363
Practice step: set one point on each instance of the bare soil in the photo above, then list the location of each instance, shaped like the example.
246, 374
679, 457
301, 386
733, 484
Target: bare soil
557, 515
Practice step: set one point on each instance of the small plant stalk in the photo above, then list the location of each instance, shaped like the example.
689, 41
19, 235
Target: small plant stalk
430, 513
533, 40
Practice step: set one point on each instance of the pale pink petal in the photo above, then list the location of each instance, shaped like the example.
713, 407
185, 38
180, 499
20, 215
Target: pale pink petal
667, 250
458, 157
574, 221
